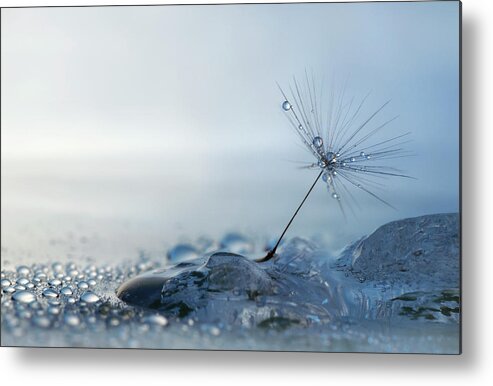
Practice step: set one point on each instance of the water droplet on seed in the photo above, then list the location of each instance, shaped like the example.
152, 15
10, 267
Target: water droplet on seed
286, 106
318, 142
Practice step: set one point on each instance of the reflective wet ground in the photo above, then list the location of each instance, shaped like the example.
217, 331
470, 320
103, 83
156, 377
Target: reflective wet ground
394, 291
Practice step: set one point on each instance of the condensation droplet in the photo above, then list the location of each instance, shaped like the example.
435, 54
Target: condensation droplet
25, 297
318, 142
286, 106
89, 297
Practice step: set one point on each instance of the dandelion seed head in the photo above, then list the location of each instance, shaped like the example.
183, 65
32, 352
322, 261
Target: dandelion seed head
343, 140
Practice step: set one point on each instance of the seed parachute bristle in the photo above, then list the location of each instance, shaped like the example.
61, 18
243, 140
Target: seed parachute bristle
342, 141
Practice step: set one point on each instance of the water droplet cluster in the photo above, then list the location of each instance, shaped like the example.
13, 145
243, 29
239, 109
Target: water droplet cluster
72, 300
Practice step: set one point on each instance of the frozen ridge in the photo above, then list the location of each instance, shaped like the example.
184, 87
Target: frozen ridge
420, 252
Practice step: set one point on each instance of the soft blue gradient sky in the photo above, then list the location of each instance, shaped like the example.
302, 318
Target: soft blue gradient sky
135, 127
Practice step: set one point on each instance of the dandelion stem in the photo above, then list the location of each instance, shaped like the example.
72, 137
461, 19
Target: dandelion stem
272, 252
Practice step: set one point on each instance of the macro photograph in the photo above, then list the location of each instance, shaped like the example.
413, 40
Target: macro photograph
245, 177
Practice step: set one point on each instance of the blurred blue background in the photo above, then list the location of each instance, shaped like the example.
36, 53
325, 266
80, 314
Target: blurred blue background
127, 128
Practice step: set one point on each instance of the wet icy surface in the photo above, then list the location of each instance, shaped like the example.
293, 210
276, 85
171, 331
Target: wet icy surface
394, 291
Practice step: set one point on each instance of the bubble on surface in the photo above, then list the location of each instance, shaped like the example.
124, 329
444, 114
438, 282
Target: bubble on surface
286, 106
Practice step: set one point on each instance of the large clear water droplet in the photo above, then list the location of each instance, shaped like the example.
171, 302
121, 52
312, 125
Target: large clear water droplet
50, 293
89, 297
362, 154
23, 270
286, 106
66, 291
5, 283
353, 159
318, 142
25, 297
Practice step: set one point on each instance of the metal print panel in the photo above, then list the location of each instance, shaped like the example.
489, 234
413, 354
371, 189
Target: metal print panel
281, 177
